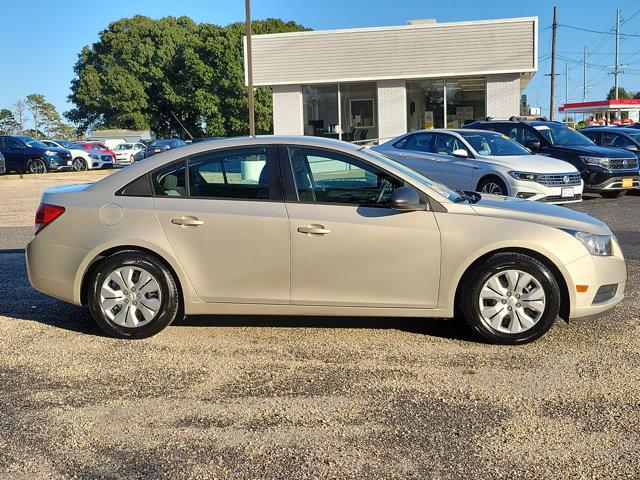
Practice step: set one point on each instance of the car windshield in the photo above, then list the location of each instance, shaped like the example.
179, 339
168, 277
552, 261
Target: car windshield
67, 144
494, 144
558, 134
437, 187
123, 146
31, 142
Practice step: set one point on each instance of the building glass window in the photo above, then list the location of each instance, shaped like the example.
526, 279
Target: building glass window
320, 105
359, 111
427, 107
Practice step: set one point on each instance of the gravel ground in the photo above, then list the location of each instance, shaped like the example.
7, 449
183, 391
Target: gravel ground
226, 397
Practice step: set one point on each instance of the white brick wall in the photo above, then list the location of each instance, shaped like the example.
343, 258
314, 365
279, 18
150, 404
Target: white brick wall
392, 108
287, 110
503, 95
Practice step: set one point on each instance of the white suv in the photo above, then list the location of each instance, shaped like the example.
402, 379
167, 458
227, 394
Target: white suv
488, 162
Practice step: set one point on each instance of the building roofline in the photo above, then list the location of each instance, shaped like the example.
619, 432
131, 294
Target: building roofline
417, 26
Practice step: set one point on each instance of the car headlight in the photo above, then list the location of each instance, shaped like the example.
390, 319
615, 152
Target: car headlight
50, 153
599, 161
600, 245
532, 177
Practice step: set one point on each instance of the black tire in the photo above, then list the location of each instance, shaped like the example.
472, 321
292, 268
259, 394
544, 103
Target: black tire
36, 165
494, 183
170, 303
612, 193
80, 164
469, 297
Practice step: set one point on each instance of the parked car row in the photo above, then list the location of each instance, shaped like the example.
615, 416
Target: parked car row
535, 160
21, 153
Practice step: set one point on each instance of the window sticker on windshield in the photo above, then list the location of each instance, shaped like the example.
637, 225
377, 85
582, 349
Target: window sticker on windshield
541, 127
504, 136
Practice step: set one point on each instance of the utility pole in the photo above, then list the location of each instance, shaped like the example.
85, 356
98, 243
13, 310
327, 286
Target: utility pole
566, 88
615, 68
553, 62
250, 102
584, 74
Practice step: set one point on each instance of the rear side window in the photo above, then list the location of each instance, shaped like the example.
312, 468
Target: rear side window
419, 142
170, 181
241, 174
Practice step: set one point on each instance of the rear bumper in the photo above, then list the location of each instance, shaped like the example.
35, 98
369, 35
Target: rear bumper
52, 268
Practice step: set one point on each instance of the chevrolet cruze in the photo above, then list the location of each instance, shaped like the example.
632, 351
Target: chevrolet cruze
309, 226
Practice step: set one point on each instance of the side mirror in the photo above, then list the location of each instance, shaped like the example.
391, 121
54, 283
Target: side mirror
460, 153
532, 144
406, 198
631, 148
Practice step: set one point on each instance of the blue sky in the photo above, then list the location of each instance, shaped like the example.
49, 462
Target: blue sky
40, 39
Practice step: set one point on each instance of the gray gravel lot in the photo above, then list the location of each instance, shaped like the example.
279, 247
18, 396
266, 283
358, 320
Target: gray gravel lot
227, 397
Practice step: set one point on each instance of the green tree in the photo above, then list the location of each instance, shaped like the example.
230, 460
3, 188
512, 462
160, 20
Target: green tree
622, 94
142, 72
8, 123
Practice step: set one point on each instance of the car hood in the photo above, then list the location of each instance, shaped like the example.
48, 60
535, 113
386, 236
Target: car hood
596, 151
538, 212
530, 163
59, 150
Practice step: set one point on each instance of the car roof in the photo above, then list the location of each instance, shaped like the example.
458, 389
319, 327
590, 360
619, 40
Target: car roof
627, 130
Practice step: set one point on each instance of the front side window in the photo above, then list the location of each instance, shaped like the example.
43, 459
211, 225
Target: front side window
324, 176
494, 144
239, 174
446, 144
522, 135
622, 142
11, 143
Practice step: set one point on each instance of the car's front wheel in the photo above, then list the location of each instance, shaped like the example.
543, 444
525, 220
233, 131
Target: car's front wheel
36, 165
492, 185
510, 298
133, 295
79, 164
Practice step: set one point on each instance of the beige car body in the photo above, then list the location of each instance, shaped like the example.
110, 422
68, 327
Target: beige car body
248, 257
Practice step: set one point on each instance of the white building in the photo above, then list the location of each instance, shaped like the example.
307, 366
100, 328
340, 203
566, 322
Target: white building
369, 83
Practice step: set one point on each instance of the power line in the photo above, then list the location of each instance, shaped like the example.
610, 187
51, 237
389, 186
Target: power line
598, 31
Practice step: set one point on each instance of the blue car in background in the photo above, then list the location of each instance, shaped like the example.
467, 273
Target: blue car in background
163, 145
26, 154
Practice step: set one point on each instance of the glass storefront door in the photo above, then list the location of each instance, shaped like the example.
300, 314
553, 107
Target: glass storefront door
427, 108
320, 110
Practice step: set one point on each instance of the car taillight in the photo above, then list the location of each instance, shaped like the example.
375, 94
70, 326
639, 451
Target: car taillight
46, 214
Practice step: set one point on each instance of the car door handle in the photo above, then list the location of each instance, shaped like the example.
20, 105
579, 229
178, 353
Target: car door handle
314, 230
187, 221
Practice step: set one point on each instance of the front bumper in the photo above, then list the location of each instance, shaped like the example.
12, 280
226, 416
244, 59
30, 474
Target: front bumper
605, 277
613, 180
538, 192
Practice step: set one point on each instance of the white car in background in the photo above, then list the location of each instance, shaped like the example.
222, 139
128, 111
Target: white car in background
82, 159
127, 153
487, 162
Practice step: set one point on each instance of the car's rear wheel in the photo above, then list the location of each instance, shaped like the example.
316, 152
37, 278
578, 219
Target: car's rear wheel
612, 193
79, 164
492, 185
36, 165
133, 295
510, 298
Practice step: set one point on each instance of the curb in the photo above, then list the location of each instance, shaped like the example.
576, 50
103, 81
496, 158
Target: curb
60, 175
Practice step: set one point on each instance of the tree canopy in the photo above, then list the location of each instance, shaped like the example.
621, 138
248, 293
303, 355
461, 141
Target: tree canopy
622, 94
143, 71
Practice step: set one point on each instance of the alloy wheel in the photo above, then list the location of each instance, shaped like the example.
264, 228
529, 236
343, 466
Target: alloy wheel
37, 166
79, 164
130, 297
512, 301
492, 188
